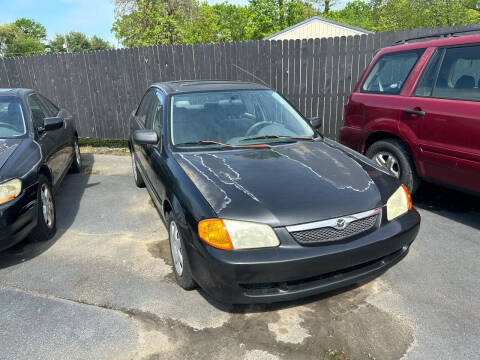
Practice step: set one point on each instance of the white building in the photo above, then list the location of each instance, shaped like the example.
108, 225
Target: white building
316, 27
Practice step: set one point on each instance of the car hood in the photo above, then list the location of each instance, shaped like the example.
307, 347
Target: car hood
285, 184
7, 148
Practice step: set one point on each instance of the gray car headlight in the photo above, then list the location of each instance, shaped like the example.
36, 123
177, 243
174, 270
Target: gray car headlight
10, 190
234, 235
399, 203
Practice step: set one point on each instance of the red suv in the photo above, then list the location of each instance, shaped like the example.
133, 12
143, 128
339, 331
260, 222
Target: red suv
416, 111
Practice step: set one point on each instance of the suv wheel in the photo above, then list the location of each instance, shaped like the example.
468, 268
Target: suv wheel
395, 157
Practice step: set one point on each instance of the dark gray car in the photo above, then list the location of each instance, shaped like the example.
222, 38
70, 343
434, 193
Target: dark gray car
38, 145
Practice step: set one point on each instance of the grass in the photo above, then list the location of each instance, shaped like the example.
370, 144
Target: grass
108, 147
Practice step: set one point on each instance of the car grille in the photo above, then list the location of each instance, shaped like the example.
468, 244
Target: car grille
327, 234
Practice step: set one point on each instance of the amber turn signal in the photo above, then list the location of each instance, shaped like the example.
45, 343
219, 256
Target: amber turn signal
409, 197
214, 233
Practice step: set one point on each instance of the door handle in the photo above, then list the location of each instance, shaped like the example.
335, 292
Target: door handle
414, 112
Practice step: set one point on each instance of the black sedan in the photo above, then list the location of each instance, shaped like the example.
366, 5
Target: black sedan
38, 145
259, 206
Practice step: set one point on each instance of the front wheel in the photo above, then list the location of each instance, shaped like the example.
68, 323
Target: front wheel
393, 155
77, 158
46, 213
181, 265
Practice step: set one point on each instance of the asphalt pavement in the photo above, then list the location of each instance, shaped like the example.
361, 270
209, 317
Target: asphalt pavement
103, 288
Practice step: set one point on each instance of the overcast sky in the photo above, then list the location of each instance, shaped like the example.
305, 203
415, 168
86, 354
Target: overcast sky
92, 17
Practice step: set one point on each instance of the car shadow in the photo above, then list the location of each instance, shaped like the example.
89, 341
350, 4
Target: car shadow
456, 205
67, 201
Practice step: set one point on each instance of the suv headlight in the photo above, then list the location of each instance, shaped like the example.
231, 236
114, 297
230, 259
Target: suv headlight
10, 190
234, 235
399, 203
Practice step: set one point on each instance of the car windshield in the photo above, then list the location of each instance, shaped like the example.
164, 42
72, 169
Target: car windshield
235, 118
12, 121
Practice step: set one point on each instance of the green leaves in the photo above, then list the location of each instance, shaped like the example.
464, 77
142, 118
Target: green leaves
393, 15
23, 37
151, 22
28, 37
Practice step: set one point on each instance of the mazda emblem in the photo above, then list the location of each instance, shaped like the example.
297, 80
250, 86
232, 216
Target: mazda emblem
341, 224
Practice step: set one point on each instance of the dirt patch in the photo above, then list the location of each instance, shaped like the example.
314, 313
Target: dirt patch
340, 327
104, 150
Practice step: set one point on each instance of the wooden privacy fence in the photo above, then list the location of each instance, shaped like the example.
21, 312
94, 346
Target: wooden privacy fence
101, 88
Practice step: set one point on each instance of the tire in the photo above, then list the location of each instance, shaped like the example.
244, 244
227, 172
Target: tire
183, 276
137, 177
46, 223
76, 166
406, 172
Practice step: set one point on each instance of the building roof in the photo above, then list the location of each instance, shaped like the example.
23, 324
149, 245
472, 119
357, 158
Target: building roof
318, 18
185, 86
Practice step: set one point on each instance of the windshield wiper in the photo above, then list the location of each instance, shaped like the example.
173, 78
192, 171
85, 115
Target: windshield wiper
278, 137
212, 142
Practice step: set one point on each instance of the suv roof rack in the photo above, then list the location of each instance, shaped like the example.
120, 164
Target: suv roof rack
442, 34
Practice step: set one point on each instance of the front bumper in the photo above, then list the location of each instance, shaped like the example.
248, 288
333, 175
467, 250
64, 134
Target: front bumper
18, 217
293, 271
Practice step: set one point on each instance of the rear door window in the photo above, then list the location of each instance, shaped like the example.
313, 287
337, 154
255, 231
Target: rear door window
459, 75
390, 72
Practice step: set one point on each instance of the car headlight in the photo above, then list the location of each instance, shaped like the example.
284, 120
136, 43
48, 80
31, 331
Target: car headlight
10, 190
399, 203
234, 235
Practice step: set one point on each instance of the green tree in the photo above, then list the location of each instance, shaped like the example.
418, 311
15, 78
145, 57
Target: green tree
232, 20
97, 43
76, 42
32, 29
356, 13
269, 16
14, 42
151, 22
203, 27
57, 44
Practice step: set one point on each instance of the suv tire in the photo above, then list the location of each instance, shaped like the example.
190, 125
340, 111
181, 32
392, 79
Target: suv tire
399, 152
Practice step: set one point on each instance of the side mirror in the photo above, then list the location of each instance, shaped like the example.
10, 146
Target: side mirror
145, 137
52, 123
315, 121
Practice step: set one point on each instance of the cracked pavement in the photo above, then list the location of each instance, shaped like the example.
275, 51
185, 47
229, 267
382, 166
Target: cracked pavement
103, 288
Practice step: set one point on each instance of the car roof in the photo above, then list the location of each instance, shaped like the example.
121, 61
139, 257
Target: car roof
185, 86
450, 41
14, 91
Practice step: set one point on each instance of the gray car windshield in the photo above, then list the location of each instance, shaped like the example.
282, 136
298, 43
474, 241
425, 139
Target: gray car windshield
12, 121
234, 118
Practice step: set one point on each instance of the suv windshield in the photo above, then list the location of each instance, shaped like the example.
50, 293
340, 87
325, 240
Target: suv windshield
234, 118
12, 121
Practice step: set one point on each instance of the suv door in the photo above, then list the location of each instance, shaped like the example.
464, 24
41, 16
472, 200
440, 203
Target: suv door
448, 134
50, 141
380, 100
